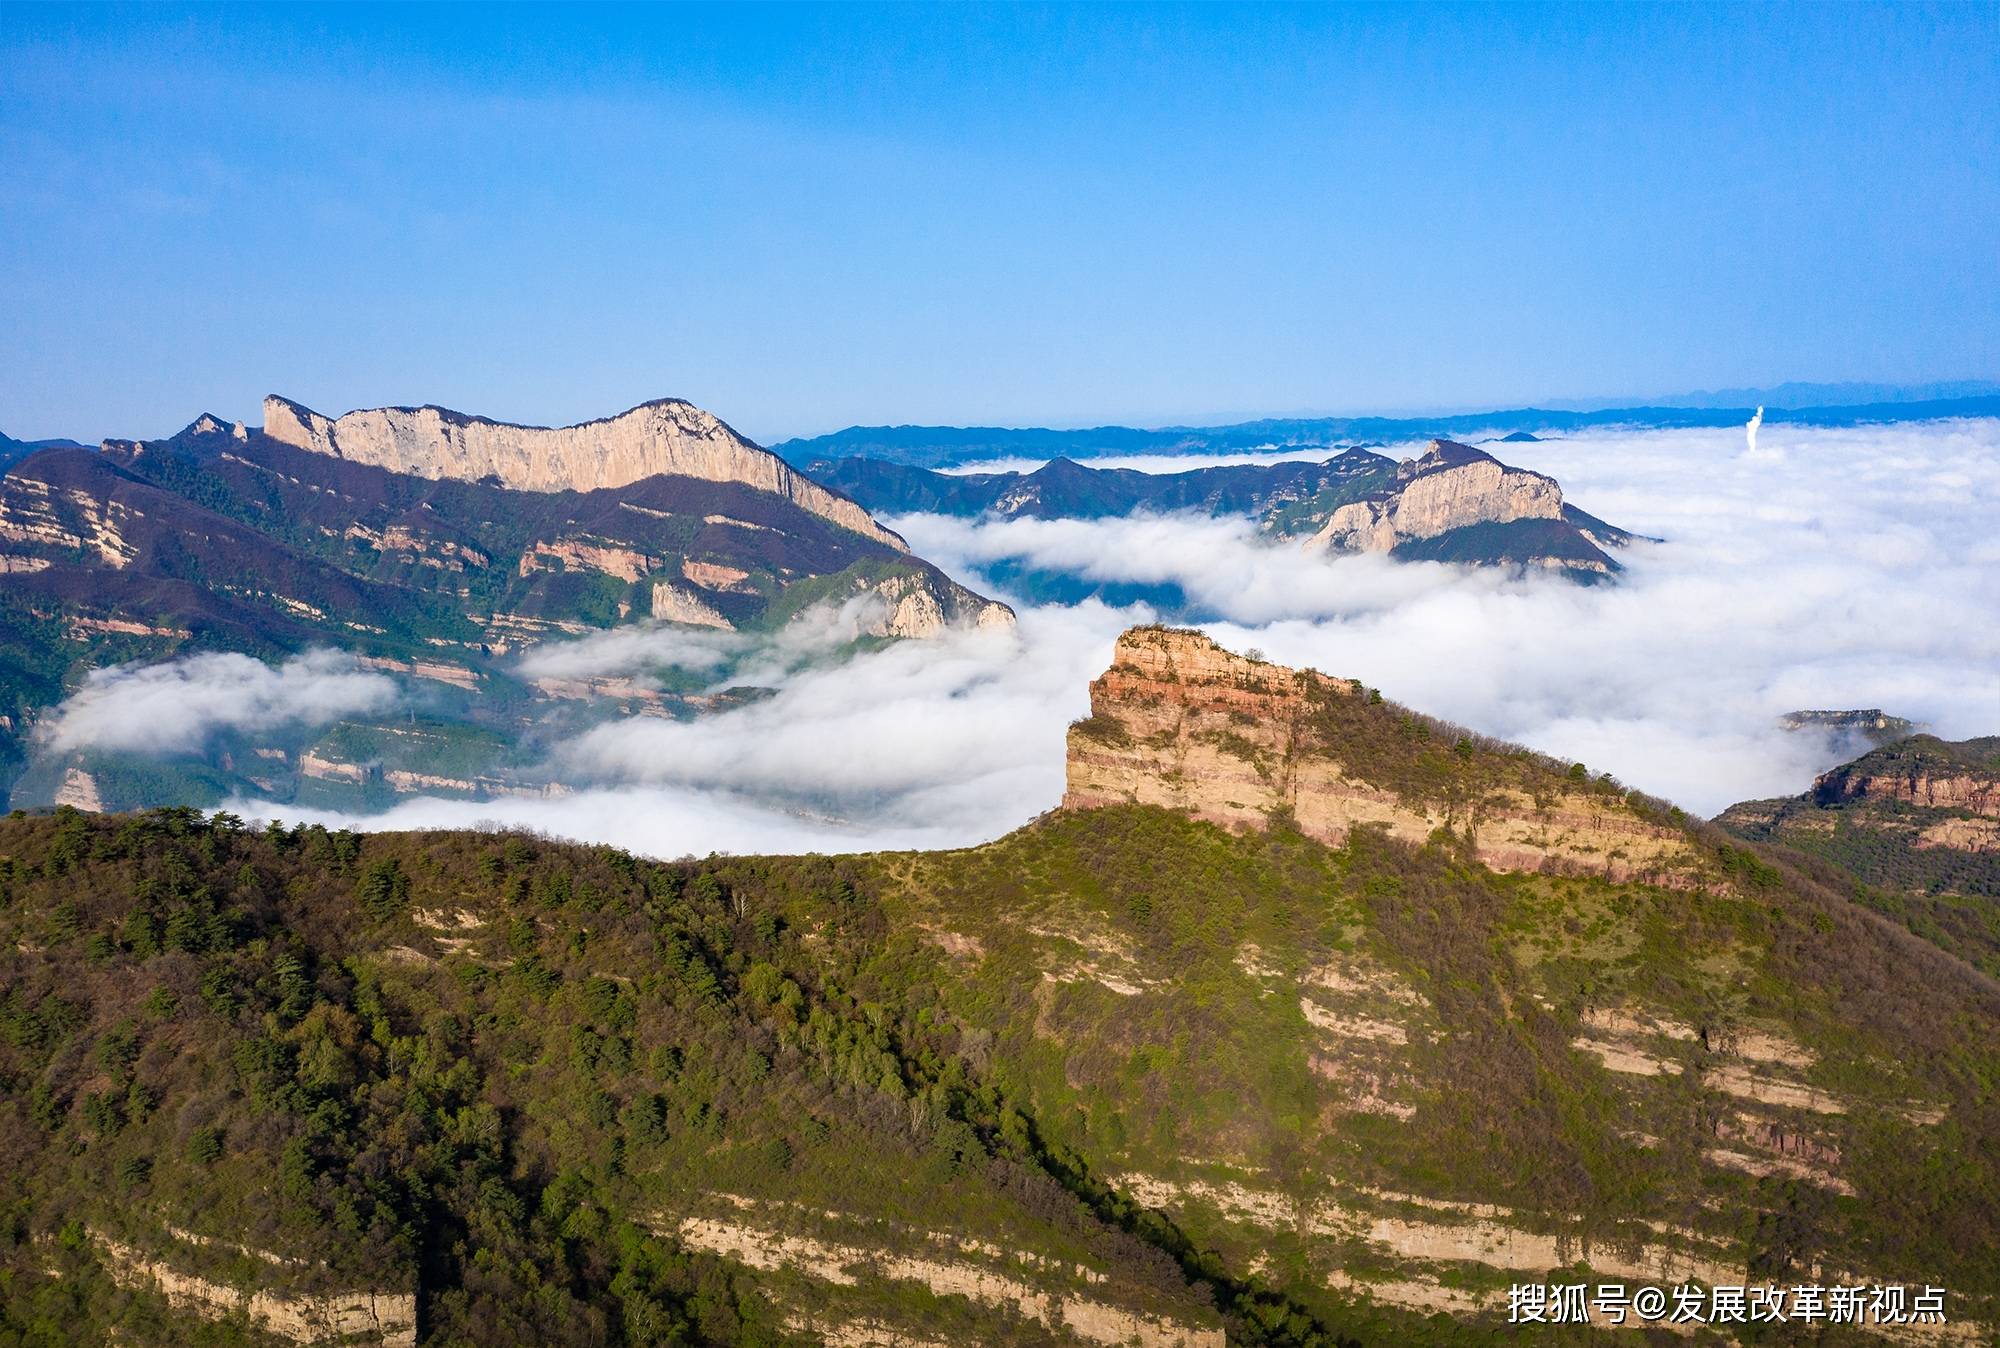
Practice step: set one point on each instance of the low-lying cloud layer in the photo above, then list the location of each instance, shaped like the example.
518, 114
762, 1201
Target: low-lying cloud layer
922, 744
1831, 569
173, 707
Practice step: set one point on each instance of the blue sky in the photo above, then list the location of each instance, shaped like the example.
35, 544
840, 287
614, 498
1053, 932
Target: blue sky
806, 218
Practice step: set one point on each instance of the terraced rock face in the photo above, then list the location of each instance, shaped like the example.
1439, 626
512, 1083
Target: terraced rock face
1916, 823
1179, 722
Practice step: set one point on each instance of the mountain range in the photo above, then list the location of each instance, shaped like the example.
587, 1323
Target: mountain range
1452, 503
432, 545
949, 446
1306, 1020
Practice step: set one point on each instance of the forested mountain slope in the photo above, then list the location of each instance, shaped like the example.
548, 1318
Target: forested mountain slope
1307, 1019
1916, 822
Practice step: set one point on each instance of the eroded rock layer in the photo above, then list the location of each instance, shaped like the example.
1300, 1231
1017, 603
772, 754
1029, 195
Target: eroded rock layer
667, 437
1179, 722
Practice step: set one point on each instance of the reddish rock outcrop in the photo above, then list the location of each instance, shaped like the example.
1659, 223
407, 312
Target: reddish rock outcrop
1925, 788
1180, 723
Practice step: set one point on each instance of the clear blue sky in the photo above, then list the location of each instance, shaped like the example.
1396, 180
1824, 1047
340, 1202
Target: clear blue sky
805, 218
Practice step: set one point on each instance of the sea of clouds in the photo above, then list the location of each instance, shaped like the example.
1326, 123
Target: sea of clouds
1823, 569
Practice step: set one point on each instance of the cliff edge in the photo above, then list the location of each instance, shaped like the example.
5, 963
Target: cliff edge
1179, 722
668, 437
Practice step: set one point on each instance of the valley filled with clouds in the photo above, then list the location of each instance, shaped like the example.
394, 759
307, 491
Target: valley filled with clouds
1823, 569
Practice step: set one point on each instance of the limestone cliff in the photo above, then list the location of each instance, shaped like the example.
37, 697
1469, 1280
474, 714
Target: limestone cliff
1925, 785
667, 437
1179, 722
925, 605
1452, 486
1916, 821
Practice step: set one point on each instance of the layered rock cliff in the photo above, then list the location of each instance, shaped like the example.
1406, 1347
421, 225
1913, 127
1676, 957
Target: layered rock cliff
1451, 486
1924, 781
1916, 822
668, 437
1181, 723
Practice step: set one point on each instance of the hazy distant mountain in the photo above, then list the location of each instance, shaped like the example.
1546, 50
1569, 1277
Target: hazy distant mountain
12, 450
1454, 503
946, 446
1796, 394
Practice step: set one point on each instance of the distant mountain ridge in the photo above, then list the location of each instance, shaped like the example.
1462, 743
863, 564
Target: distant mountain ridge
1806, 393
1454, 503
948, 446
12, 450
667, 436
222, 538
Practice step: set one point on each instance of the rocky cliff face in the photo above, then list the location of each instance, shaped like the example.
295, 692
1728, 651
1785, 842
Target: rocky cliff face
668, 437
1181, 723
1452, 486
1916, 821
1925, 786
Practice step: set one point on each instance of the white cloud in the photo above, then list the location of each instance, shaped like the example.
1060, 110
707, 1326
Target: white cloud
175, 706
921, 744
1837, 568
638, 650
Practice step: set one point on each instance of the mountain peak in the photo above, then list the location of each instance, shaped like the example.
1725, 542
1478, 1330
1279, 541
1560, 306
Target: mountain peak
667, 436
1443, 454
210, 424
1179, 722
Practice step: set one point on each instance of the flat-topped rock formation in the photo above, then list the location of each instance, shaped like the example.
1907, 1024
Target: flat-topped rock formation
668, 437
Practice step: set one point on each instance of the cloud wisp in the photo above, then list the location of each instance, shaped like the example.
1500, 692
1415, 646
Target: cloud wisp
177, 706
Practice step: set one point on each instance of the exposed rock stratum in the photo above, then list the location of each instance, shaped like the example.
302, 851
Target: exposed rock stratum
667, 437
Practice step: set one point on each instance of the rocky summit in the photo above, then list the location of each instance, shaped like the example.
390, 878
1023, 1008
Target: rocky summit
1454, 503
667, 437
1179, 722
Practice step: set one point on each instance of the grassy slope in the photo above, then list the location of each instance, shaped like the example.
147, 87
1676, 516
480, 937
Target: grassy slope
1949, 896
1506, 1111
620, 1040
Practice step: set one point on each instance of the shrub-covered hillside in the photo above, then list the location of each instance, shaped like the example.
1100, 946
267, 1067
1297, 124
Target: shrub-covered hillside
1119, 1077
